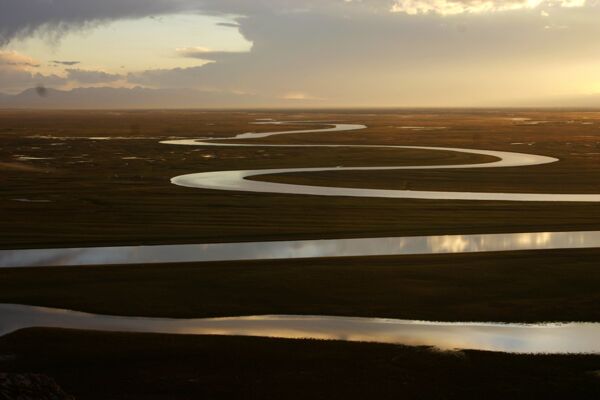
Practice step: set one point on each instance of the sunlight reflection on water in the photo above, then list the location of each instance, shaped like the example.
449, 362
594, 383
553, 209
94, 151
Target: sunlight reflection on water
512, 338
299, 249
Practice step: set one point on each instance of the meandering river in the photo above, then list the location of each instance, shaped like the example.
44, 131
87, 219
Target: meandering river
237, 180
513, 338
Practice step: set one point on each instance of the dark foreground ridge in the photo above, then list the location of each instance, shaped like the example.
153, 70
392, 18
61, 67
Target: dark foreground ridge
100, 366
30, 387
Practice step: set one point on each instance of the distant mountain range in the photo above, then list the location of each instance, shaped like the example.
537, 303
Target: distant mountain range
112, 98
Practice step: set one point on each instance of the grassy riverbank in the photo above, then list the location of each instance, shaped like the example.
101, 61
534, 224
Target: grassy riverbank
87, 192
522, 286
102, 366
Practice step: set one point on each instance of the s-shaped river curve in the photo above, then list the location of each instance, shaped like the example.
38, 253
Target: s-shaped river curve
237, 180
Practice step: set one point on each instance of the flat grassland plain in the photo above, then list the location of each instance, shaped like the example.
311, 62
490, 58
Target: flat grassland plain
77, 179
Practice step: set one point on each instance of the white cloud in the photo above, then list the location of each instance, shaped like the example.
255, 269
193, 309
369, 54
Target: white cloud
455, 7
572, 3
15, 60
19, 71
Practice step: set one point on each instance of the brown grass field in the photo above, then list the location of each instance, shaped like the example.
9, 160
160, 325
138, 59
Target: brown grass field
99, 197
89, 192
527, 286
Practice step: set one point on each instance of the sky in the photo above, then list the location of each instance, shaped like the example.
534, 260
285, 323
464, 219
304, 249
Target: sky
317, 53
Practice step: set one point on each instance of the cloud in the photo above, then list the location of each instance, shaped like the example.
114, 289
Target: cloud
53, 17
228, 24
91, 76
203, 53
18, 71
368, 52
397, 59
192, 77
298, 96
14, 81
26, 17
14, 59
67, 63
455, 7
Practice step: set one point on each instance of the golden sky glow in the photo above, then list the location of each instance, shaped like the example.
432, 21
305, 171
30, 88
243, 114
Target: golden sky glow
308, 52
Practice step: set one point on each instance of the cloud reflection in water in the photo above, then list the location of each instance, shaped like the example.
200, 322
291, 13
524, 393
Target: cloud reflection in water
299, 249
512, 338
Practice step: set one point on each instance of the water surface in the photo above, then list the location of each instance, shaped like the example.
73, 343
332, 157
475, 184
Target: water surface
511, 338
238, 180
388, 246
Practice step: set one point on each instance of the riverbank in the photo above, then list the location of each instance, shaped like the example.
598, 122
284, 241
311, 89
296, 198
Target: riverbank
92, 366
527, 286
97, 178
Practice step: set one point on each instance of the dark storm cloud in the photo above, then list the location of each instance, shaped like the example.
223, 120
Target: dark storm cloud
24, 17
52, 17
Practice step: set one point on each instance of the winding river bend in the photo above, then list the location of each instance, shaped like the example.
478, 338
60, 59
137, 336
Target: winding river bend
513, 338
237, 180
